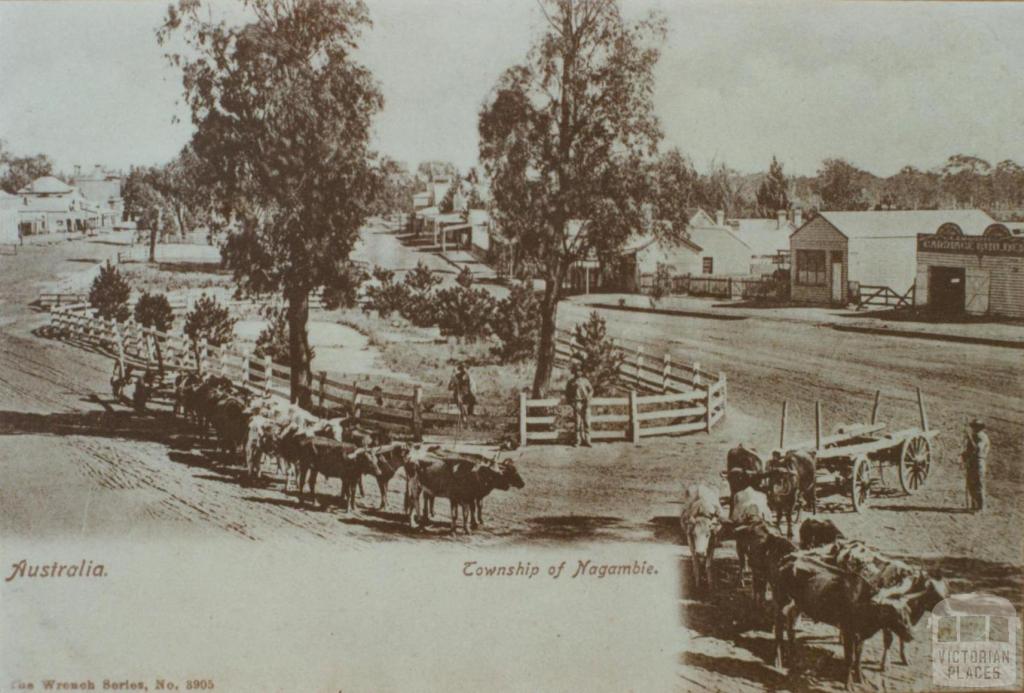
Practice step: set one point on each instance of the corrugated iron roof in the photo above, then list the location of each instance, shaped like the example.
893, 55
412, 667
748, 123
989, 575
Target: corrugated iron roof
906, 223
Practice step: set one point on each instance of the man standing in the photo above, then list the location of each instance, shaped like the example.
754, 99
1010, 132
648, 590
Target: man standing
975, 457
461, 386
579, 391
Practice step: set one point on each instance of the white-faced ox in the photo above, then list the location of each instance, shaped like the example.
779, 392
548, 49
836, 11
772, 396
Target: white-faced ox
701, 521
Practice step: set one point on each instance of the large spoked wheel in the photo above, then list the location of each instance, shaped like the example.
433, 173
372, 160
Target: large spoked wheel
915, 463
860, 483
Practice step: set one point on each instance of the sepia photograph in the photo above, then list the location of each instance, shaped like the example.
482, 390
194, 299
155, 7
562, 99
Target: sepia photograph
529, 345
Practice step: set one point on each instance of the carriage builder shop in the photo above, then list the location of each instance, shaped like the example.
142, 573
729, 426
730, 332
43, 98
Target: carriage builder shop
977, 275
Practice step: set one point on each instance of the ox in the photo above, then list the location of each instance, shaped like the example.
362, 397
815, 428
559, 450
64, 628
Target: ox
825, 593
320, 455
743, 468
765, 549
749, 507
701, 521
814, 533
790, 479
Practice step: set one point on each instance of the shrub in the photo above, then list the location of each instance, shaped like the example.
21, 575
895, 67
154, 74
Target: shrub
211, 321
344, 289
109, 294
597, 357
465, 278
273, 339
418, 305
386, 296
662, 285
464, 313
154, 311
516, 322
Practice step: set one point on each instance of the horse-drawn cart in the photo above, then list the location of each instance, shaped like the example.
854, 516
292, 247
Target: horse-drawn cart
855, 457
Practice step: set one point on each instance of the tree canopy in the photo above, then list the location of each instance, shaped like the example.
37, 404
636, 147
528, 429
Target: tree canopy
283, 113
565, 139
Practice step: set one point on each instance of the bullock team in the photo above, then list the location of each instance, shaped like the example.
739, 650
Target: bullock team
255, 430
828, 578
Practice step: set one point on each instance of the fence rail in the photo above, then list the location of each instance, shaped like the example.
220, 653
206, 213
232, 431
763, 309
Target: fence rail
709, 285
130, 343
666, 397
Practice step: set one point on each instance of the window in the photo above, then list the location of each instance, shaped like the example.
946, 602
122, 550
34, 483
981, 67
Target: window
708, 265
810, 267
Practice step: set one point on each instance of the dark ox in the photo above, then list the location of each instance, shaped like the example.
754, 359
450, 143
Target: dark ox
324, 456
825, 593
765, 550
815, 533
465, 482
743, 468
790, 481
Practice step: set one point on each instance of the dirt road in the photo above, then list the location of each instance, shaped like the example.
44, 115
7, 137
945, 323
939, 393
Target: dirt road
77, 464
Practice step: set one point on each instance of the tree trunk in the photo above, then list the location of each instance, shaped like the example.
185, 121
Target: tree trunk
152, 244
548, 325
298, 348
159, 356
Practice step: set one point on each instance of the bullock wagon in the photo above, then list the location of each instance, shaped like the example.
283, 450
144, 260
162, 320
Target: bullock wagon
855, 457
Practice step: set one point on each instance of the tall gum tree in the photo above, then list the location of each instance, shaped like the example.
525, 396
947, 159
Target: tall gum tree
283, 116
566, 137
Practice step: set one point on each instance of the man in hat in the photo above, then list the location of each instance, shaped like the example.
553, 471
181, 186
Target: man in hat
461, 386
975, 458
579, 391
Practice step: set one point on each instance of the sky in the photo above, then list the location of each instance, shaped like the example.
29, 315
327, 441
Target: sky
880, 84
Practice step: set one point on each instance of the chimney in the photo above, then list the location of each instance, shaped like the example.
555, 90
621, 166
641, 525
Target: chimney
78, 170
798, 217
720, 217
780, 218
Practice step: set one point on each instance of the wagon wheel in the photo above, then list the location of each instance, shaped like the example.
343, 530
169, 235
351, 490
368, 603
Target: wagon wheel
915, 463
860, 483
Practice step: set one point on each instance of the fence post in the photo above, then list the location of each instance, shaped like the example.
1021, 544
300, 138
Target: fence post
522, 419
321, 384
696, 373
201, 357
268, 374
634, 418
639, 364
707, 407
119, 339
246, 368
666, 371
417, 412
149, 347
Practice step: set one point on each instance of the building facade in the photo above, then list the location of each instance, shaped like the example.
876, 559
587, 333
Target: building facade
979, 275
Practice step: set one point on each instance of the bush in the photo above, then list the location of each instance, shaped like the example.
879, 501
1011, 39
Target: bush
385, 296
273, 339
418, 304
662, 285
211, 321
597, 357
109, 294
343, 291
465, 278
154, 311
516, 322
464, 313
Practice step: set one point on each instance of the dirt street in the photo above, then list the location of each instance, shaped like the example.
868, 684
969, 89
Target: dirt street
76, 463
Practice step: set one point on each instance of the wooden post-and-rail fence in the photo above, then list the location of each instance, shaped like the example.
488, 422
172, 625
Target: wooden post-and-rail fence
130, 343
665, 396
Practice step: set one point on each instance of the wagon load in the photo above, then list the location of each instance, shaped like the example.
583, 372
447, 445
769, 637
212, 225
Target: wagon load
893, 581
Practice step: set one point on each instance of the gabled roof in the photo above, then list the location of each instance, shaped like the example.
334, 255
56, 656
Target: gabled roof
47, 185
906, 223
707, 235
764, 236
645, 240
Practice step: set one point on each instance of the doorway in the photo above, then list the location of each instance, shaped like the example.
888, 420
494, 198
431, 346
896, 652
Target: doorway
946, 290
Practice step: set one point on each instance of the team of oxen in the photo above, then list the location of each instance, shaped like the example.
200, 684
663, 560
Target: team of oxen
258, 430
829, 578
